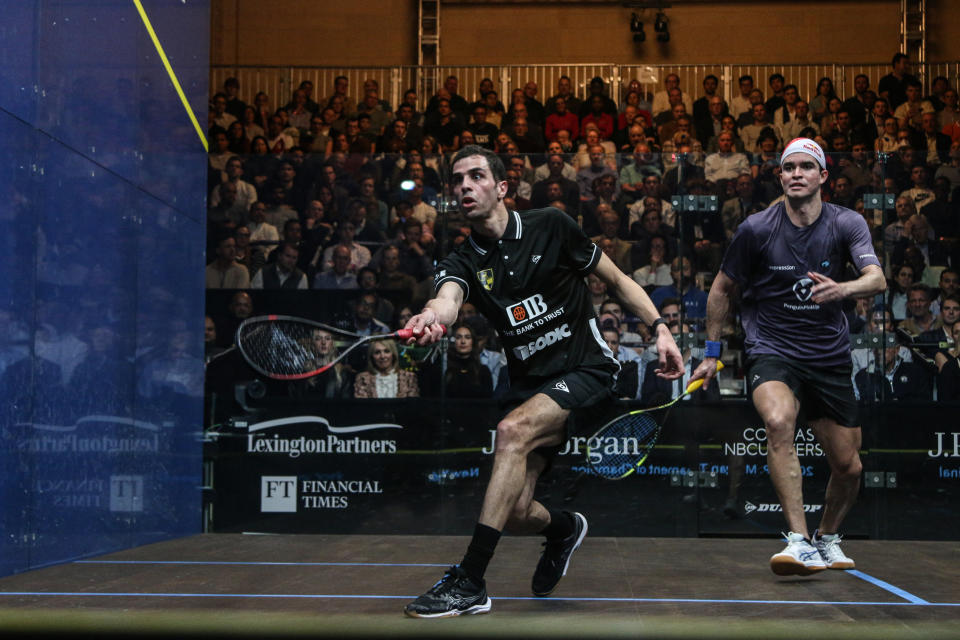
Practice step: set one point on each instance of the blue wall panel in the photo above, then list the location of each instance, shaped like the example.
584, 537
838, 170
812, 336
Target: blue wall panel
101, 303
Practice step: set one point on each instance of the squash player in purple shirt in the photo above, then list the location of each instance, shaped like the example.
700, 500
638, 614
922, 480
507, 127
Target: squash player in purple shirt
784, 264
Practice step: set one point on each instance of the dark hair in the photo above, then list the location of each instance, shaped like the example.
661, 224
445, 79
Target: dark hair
897, 57
744, 78
709, 76
776, 76
497, 169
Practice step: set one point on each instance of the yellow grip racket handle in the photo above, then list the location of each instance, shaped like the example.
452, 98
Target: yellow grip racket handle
696, 384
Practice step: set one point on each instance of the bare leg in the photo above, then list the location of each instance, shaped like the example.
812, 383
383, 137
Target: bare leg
842, 446
537, 422
778, 408
529, 516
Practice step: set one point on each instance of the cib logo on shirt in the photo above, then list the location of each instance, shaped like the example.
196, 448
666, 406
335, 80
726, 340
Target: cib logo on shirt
526, 310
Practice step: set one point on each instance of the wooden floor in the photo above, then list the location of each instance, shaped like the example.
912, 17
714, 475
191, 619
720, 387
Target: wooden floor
356, 586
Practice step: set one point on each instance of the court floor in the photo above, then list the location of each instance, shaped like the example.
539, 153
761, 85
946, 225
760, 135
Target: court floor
343, 586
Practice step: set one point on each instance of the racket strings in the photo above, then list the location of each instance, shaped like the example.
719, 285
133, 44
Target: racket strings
281, 348
623, 444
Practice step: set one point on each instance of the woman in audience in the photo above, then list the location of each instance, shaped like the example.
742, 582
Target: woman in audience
430, 153
820, 103
333, 384
829, 121
466, 376
239, 144
383, 378
897, 291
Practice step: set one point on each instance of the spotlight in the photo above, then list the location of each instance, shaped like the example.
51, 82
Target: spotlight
636, 27
661, 26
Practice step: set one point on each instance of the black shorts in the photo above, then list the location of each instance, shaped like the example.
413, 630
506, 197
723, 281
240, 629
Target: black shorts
823, 392
586, 392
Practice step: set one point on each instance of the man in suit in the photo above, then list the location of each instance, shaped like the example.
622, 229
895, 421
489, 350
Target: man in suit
898, 380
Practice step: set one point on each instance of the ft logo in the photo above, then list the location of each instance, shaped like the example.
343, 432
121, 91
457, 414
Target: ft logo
278, 494
526, 310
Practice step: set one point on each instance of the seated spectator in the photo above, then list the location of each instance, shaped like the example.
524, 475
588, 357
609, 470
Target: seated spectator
597, 168
929, 341
917, 231
368, 281
392, 279
747, 116
694, 299
897, 379
245, 194
919, 318
225, 272
628, 383
611, 307
515, 187
889, 140
494, 360
727, 123
609, 224
336, 383
655, 390
283, 273
909, 115
799, 122
591, 138
652, 188
465, 375
359, 255
559, 119
339, 275
634, 173
383, 378
239, 309
656, 271
759, 123
598, 292
948, 368
725, 164
897, 287
746, 202
605, 122
948, 285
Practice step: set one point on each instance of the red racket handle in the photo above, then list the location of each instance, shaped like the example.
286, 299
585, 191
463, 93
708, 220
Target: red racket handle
406, 334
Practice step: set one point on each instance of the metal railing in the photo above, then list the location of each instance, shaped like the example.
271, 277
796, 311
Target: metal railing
279, 82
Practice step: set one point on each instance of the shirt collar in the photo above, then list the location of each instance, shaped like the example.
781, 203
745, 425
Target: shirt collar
514, 231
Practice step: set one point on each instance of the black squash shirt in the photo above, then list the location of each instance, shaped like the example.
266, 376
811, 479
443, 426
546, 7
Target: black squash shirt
530, 285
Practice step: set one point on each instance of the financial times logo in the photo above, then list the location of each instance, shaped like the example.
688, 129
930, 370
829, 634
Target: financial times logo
278, 494
803, 288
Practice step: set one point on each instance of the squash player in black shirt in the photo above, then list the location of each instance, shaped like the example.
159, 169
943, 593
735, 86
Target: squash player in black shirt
526, 272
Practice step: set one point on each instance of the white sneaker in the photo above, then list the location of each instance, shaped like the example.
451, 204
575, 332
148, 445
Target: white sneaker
800, 558
829, 547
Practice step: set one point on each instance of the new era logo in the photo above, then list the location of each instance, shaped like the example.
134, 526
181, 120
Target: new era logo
561, 386
535, 259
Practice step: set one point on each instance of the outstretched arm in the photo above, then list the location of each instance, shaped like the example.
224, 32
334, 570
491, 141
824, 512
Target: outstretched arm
722, 293
636, 299
438, 312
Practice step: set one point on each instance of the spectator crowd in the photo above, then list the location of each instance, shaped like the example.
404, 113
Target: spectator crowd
330, 193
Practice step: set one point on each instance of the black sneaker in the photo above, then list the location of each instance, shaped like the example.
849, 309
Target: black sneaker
455, 594
556, 558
